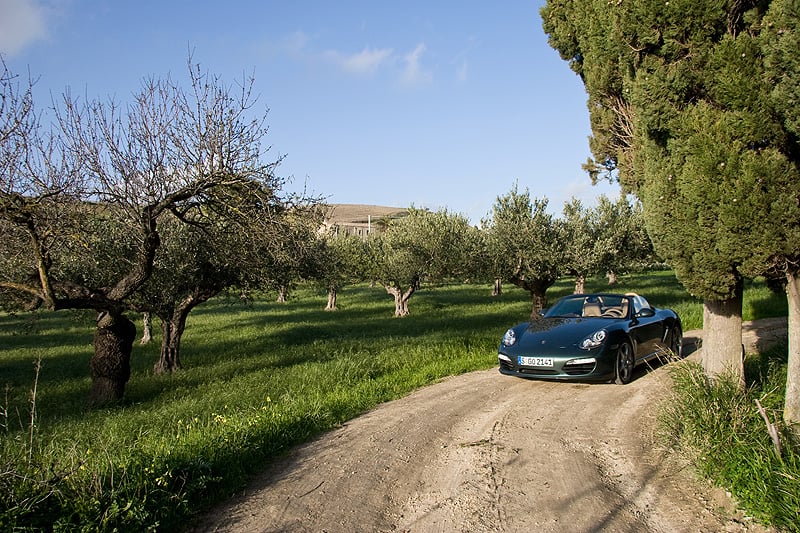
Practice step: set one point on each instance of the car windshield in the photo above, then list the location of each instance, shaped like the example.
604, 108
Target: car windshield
590, 305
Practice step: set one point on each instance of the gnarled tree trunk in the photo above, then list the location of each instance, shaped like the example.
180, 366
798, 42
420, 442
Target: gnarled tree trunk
539, 299
111, 364
283, 294
537, 288
497, 288
331, 299
172, 328
147, 328
580, 284
401, 298
722, 337
791, 409
171, 332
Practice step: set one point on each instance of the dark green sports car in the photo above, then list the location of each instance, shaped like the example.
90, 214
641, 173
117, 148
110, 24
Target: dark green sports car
591, 337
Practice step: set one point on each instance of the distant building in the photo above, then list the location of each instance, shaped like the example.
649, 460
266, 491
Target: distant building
358, 219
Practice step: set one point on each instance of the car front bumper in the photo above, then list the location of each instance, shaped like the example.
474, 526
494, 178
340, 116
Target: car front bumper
578, 368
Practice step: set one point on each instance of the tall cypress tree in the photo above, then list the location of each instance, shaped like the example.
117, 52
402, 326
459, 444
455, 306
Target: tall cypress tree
691, 106
780, 41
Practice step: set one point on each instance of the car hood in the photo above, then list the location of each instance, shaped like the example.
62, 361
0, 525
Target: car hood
547, 334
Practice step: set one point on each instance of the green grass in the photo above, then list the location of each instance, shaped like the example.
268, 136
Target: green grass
257, 380
721, 431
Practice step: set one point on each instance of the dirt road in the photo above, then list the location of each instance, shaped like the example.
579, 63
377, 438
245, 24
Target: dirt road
485, 452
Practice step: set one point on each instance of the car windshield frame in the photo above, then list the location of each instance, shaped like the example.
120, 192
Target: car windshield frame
596, 305
640, 303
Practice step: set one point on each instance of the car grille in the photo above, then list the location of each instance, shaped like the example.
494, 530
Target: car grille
577, 370
537, 371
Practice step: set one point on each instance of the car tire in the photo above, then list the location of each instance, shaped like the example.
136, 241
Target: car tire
625, 363
676, 342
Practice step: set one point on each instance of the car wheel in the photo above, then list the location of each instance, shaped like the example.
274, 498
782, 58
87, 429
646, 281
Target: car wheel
625, 363
676, 342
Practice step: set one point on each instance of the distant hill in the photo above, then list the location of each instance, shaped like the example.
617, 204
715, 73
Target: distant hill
360, 219
361, 213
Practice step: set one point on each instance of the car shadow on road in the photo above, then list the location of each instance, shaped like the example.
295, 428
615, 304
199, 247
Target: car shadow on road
691, 343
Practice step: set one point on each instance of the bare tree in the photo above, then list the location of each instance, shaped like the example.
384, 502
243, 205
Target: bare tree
83, 200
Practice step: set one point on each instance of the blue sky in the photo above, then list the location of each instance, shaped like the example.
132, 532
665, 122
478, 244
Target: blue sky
427, 103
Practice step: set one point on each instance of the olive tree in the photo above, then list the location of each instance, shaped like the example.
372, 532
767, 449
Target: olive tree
583, 244
340, 260
627, 244
188, 270
200, 258
523, 242
421, 246
608, 238
290, 254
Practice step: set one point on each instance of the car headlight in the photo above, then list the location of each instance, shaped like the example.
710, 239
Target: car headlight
509, 338
594, 340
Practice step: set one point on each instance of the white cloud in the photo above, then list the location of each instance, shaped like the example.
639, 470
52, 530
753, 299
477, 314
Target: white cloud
462, 71
369, 60
364, 62
21, 23
414, 73
295, 42
461, 60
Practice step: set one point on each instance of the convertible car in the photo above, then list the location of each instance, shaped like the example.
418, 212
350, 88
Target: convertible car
591, 337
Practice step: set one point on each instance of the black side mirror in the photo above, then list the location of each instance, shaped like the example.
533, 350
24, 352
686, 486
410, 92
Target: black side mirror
646, 313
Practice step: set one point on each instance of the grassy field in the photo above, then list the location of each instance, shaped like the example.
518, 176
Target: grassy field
258, 378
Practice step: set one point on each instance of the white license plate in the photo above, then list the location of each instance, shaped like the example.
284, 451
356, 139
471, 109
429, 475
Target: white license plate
535, 361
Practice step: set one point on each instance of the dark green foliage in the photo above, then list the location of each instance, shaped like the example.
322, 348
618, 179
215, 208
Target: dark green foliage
714, 181
781, 42
689, 104
718, 196
693, 108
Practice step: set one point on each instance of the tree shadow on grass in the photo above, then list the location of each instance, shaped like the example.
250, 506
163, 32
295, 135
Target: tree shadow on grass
225, 341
